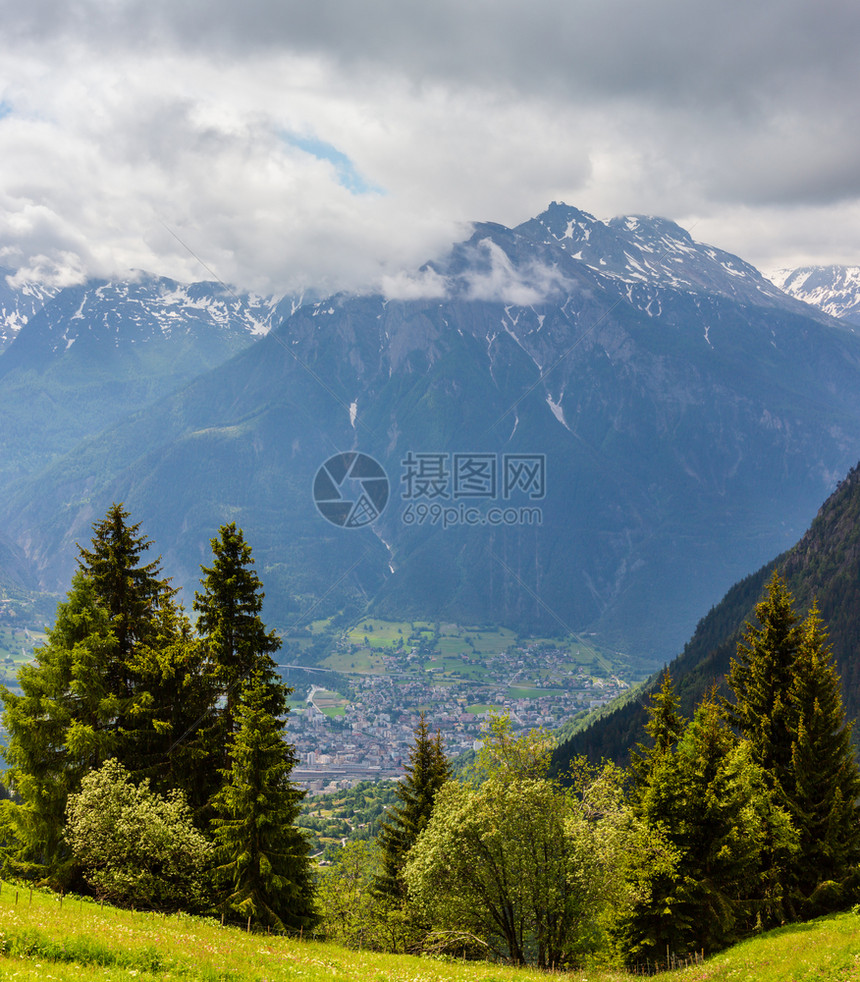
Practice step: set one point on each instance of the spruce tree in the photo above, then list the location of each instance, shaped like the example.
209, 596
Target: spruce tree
789, 707
760, 679
59, 728
175, 691
263, 866
712, 804
825, 787
663, 727
119, 676
427, 771
237, 641
131, 590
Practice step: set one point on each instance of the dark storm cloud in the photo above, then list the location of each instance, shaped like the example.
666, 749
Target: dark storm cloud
732, 54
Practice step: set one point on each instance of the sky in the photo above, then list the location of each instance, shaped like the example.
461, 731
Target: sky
332, 144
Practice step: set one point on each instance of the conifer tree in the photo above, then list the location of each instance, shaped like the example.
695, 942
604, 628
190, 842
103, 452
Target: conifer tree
760, 679
789, 708
114, 679
264, 866
59, 727
131, 590
714, 807
427, 771
237, 641
823, 795
664, 728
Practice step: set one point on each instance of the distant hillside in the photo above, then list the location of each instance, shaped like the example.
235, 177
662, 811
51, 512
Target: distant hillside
825, 564
93, 353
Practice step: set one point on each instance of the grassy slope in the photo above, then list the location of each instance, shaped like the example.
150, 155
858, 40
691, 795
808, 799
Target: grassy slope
77, 940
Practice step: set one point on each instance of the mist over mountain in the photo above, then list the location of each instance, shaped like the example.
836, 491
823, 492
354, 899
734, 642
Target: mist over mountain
691, 417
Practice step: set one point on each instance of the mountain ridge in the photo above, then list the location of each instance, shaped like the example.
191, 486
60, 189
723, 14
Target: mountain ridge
834, 289
671, 412
97, 351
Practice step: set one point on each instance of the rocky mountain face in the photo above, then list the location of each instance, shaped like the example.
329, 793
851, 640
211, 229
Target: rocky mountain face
145, 310
88, 355
824, 566
833, 289
649, 416
18, 305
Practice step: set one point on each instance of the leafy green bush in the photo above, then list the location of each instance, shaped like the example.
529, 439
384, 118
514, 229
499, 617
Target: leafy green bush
136, 847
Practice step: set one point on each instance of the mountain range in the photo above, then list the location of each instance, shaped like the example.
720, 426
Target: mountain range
689, 416
95, 352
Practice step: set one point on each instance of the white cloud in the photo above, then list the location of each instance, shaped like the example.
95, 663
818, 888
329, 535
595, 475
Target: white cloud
289, 144
425, 284
494, 277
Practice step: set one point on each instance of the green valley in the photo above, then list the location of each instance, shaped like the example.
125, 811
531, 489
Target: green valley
366, 685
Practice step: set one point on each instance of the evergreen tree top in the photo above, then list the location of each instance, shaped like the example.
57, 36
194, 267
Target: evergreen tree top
665, 726
229, 621
128, 588
116, 549
427, 771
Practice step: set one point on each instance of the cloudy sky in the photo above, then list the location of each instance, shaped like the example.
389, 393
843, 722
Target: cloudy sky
330, 143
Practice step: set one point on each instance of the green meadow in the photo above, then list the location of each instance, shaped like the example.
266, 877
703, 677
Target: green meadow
362, 661
45, 937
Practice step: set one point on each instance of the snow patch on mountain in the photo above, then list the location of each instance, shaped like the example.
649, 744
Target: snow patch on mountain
18, 303
141, 308
833, 289
556, 409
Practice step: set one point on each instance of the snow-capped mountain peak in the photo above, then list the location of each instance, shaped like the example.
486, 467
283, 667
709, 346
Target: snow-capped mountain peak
833, 289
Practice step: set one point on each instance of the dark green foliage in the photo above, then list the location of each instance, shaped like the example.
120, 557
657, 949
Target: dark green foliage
263, 870
263, 857
664, 728
119, 676
714, 807
760, 679
426, 772
129, 589
155, 676
788, 706
823, 786
236, 639
60, 727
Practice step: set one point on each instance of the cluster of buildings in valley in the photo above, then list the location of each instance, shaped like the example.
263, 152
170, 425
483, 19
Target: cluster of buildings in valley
374, 736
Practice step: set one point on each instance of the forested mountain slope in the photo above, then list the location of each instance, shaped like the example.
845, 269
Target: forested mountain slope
824, 566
